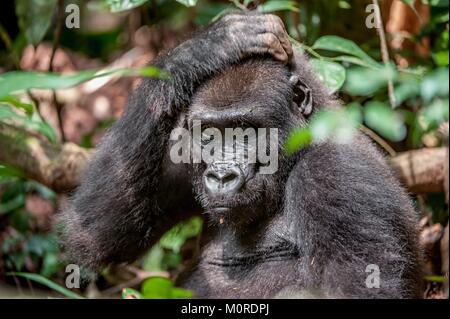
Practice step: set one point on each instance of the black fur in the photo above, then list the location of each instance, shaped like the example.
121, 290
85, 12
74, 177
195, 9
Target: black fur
310, 230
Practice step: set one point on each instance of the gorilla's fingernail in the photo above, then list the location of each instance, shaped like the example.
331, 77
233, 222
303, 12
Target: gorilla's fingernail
221, 220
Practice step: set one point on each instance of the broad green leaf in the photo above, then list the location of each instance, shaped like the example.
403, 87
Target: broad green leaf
46, 282
123, 5
297, 140
129, 293
435, 84
18, 81
407, 89
409, 2
332, 74
278, 5
188, 3
441, 58
337, 44
176, 237
437, 3
157, 288
364, 82
162, 288
381, 118
35, 17
153, 260
436, 113
180, 293
9, 171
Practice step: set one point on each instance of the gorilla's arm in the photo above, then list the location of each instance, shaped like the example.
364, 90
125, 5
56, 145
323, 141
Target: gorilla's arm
131, 193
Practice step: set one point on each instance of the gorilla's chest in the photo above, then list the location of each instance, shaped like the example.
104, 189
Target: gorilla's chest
231, 269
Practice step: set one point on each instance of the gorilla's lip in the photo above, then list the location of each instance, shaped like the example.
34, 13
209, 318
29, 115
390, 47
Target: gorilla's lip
220, 209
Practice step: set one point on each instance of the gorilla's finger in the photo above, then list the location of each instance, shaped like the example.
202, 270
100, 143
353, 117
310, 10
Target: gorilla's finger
275, 25
272, 45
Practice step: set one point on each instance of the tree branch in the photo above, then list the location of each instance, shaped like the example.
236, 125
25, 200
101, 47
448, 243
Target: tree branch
58, 167
421, 171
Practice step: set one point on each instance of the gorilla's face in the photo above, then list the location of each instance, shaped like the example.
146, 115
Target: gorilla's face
232, 182
238, 171
239, 121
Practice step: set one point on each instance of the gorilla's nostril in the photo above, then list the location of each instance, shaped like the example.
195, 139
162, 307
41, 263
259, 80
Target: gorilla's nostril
229, 177
223, 180
213, 178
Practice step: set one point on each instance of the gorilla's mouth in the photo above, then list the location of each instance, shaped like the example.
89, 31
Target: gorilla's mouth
220, 209
221, 213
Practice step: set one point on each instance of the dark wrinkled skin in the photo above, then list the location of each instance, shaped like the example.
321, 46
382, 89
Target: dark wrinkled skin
309, 230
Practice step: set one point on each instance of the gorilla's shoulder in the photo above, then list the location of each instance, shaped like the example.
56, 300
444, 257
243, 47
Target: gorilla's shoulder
354, 171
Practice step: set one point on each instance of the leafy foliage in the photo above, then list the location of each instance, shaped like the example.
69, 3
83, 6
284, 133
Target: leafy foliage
44, 281
35, 18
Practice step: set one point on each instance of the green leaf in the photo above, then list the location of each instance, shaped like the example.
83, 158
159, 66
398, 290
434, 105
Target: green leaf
409, 2
35, 17
364, 82
18, 81
441, 58
278, 5
12, 204
188, 3
336, 124
437, 3
153, 260
332, 74
9, 171
6, 114
129, 293
157, 288
162, 288
14, 101
407, 89
381, 118
46, 282
436, 113
438, 279
435, 84
352, 60
297, 140
337, 44
123, 5
177, 236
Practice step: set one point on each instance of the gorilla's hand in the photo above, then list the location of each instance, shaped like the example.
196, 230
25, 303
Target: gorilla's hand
225, 42
242, 35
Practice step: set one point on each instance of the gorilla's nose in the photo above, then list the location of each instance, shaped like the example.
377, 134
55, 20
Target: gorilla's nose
223, 179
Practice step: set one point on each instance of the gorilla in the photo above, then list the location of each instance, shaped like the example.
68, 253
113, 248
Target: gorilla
331, 222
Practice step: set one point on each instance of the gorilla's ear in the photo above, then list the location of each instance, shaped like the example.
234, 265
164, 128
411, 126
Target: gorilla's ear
302, 95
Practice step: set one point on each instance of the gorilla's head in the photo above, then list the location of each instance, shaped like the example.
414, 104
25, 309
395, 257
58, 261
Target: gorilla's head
240, 120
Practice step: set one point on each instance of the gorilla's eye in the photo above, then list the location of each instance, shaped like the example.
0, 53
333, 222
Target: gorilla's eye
210, 134
207, 138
